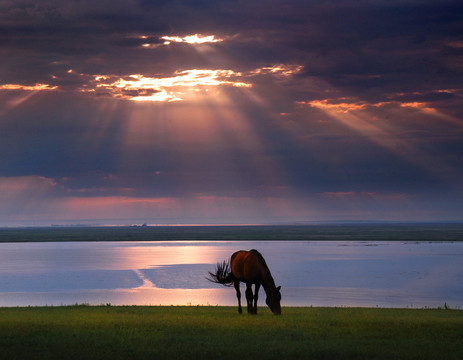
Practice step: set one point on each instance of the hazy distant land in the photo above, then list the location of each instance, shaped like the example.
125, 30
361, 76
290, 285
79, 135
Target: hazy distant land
351, 232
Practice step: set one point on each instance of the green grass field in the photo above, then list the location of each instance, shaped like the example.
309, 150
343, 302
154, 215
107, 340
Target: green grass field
109, 332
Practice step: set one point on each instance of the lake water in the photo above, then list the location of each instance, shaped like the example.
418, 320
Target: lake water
333, 273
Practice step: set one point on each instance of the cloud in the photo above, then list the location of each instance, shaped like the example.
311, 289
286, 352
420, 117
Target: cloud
139, 41
281, 70
117, 207
36, 87
17, 185
191, 39
371, 195
155, 41
140, 88
21, 196
346, 105
343, 107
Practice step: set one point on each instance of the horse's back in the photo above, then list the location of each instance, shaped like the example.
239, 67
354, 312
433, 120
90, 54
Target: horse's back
246, 256
247, 266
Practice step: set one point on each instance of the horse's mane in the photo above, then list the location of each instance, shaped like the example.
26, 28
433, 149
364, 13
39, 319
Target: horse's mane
261, 258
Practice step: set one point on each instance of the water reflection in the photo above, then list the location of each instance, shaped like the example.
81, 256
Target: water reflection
173, 273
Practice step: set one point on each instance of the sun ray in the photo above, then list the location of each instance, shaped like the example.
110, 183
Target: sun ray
18, 94
358, 117
207, 121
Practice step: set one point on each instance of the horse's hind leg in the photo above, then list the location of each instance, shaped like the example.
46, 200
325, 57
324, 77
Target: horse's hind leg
256, 296
236, 284
249, 298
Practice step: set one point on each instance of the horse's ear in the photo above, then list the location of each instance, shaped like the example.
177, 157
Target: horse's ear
278, 288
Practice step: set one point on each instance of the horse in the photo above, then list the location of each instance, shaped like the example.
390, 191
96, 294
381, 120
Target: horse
250, 268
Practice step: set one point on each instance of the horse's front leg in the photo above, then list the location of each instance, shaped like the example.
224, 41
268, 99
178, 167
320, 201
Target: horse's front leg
236, 284
256, 296
249, 298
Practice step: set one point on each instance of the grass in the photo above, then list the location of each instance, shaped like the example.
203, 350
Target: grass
112, 332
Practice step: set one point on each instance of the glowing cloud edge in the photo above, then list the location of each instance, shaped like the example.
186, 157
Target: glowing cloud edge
137, 87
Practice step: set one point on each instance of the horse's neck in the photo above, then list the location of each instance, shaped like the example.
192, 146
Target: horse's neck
267, 281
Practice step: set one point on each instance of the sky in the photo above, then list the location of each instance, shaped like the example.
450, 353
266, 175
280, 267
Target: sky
230, 111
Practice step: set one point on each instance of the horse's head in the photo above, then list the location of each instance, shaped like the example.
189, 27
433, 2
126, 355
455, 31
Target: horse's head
273, 300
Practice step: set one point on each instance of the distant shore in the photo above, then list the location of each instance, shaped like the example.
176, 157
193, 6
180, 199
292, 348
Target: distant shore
330, 232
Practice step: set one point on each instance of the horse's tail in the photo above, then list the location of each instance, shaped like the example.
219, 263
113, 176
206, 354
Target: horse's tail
223, 274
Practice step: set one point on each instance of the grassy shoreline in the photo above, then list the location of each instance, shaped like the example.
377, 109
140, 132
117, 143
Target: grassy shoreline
351, 232
121, 332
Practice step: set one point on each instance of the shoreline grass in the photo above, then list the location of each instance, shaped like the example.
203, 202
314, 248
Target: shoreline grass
121, 332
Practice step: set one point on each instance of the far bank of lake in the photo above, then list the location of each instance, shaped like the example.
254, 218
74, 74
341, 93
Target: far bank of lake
314, 232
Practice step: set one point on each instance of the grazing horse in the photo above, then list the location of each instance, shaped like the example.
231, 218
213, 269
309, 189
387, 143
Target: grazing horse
250, 268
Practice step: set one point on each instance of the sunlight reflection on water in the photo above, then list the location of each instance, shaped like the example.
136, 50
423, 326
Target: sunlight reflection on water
335, 273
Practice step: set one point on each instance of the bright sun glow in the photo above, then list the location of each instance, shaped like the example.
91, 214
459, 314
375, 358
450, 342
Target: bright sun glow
140, 88
191, 39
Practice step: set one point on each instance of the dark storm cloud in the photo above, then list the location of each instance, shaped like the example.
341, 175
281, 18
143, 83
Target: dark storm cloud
340, 42
138, 41
425, 97
367, 49
383, 46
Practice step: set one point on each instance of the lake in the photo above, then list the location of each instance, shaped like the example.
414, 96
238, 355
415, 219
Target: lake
311, 273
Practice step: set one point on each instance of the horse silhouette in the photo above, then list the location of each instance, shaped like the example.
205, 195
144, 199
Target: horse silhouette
250, 268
